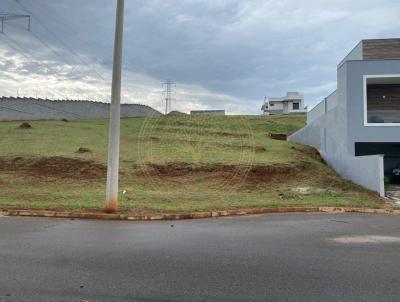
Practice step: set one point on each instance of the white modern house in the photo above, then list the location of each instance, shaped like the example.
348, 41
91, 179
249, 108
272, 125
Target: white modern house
357, 127
292, 103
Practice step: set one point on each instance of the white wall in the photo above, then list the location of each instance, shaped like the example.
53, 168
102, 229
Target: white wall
276, 106
316, 112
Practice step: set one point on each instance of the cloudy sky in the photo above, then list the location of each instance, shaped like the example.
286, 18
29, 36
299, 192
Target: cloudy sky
221, 54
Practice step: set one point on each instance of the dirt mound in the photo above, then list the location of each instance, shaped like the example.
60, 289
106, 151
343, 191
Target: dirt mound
278, 136
25, 125
55, 167
84, 150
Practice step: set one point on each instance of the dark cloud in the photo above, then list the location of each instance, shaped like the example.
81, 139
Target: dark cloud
221, 53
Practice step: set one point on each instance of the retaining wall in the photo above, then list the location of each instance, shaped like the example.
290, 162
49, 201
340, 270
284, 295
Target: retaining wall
14, 109
328, 134
366, 171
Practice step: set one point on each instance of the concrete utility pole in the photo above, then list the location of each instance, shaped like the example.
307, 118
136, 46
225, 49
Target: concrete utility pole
111, 205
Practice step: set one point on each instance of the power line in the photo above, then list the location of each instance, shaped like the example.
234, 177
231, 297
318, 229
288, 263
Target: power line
11, 47
66, 26
52, 50
16, 110
74, 53
24, 53
168, 95
46, 45
74, 69
24, 49
9, 16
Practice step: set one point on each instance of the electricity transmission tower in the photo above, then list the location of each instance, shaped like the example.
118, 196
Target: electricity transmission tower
168, 95
9, 16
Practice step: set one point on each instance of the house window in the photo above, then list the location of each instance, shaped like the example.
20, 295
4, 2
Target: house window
296, 106
382, 100
272, 105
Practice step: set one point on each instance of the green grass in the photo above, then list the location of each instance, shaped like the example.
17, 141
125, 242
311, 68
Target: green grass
169, 164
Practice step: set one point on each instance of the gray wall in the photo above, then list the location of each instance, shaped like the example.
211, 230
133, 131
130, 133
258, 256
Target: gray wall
357, 132
332, 101
332, 132
34, 109
328, 136
355, 54
316, 112
367, 171
327, 104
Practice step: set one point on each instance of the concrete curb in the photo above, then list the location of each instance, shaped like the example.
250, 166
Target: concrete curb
194, 215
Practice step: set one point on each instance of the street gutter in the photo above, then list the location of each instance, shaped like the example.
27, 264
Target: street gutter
193, 215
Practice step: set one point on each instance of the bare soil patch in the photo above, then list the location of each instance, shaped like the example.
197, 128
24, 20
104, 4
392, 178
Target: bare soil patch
238, 147
201, 144
309, 153
249, 176
202, 132
54, 167
278, 136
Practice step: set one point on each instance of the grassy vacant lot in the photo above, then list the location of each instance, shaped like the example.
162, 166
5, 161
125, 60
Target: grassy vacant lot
169, 164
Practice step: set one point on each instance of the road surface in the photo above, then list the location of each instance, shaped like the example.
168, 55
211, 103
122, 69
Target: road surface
282, 257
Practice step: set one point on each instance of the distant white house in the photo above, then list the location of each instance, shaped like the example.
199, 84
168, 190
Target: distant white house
292, 103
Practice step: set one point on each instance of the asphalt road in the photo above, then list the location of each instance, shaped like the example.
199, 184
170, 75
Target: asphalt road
288, 257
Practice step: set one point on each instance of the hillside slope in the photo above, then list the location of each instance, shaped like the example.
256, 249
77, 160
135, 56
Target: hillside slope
169, 164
